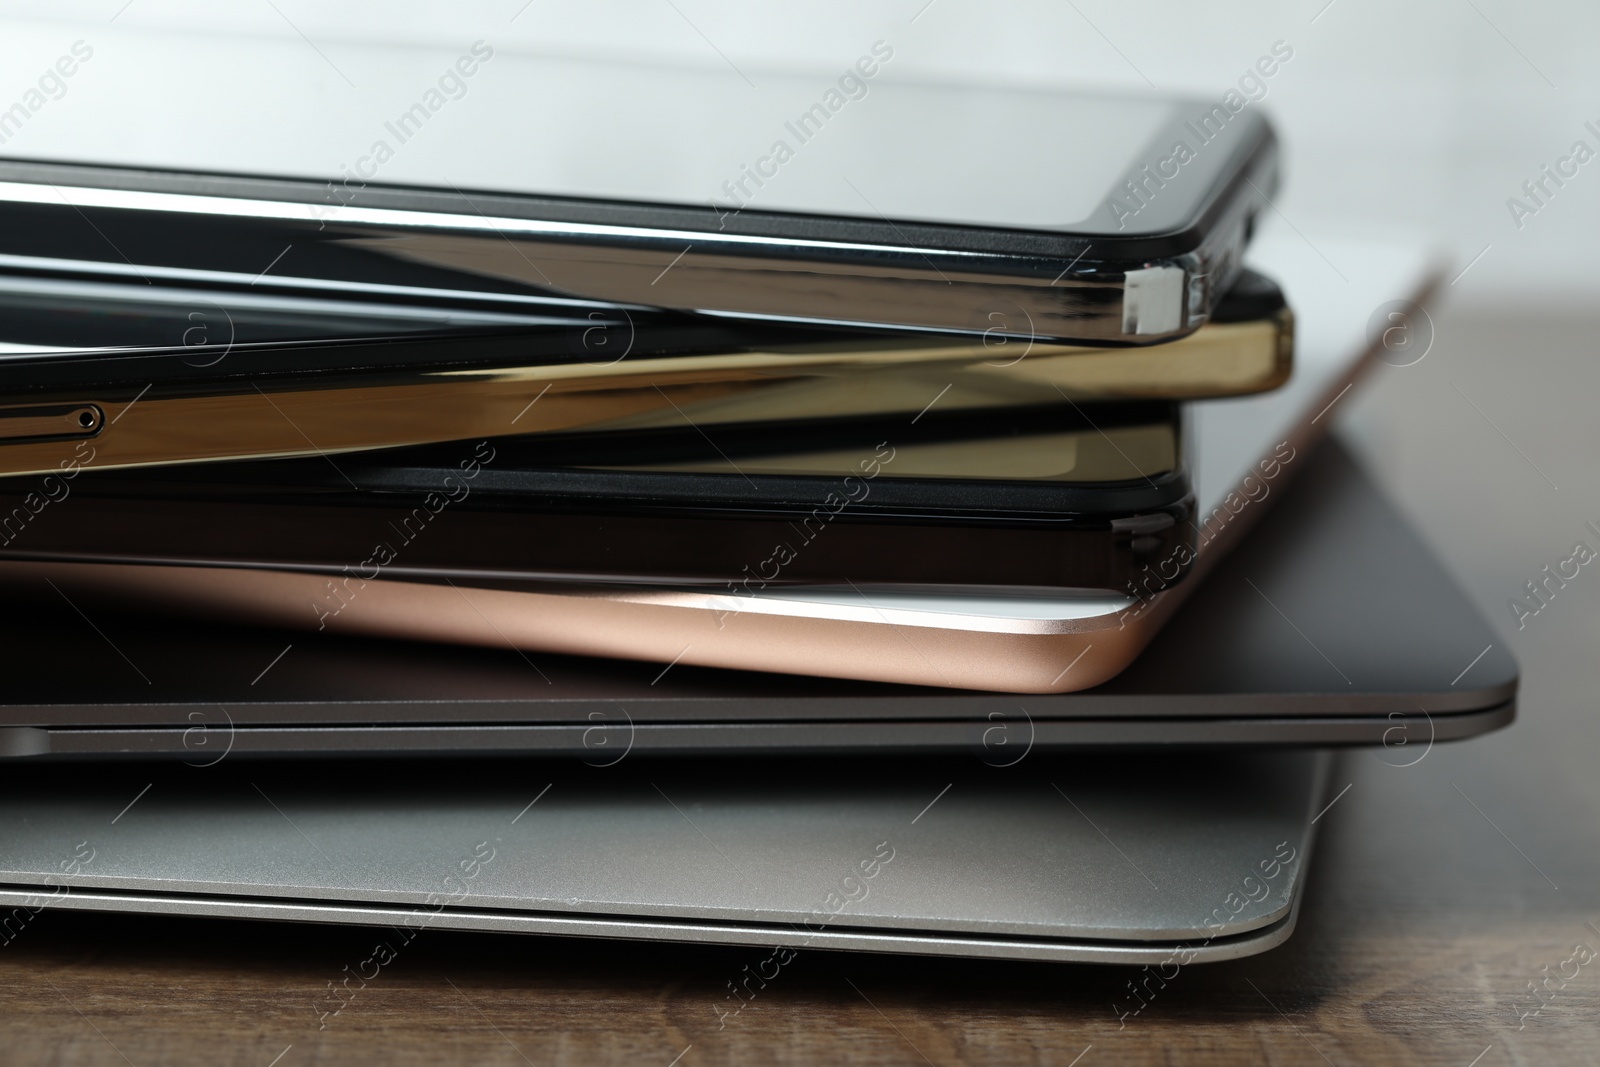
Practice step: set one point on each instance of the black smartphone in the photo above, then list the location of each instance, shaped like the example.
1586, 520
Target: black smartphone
864, 199
1065, 497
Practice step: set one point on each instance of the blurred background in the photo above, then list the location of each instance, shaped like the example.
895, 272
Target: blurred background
1419, 120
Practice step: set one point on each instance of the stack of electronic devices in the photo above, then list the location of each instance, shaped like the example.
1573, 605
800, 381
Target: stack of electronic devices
999, 543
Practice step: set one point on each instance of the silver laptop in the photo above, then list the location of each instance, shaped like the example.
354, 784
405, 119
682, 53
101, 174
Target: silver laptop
1156, 859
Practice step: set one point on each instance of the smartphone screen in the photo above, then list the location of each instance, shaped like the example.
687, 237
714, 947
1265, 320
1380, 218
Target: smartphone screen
857, 146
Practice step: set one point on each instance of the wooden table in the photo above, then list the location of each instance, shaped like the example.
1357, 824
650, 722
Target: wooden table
1439, 892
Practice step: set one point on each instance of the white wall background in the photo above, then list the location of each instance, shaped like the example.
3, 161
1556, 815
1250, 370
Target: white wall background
1417, 114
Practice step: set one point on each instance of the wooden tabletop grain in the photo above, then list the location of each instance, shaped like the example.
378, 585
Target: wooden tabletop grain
1452, 914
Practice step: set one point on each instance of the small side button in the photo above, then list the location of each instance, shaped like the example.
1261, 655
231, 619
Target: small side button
44, 422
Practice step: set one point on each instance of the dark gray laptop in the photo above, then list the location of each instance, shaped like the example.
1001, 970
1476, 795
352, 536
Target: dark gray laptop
1331, 624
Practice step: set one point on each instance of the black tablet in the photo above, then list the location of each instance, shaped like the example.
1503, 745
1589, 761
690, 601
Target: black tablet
1060, 497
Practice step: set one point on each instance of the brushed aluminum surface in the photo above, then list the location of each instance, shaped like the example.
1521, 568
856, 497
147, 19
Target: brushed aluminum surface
1106, 859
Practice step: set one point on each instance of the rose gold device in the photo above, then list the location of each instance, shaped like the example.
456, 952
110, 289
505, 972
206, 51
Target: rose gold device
1246, 450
